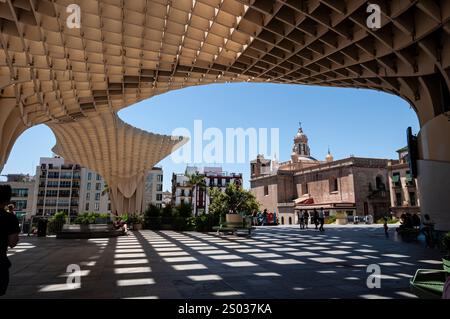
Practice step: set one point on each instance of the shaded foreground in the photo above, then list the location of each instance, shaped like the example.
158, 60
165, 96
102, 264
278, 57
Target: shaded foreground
278, 262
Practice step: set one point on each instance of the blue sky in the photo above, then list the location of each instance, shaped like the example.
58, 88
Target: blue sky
350, 121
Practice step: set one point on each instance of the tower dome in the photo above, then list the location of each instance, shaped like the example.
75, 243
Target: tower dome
301, 147
300, 137
329, 157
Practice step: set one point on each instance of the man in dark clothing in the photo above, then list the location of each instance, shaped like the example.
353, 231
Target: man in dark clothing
306, 215
316, 217
9, 236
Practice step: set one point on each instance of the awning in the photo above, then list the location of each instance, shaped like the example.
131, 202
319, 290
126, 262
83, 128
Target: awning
307, 201
334, 206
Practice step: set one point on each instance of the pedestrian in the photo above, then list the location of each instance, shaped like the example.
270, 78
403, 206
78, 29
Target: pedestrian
416, 221
385, 226
11, 209
264, 219
316, 218
9, 236
306, 215
302, 220
255, 218
428, 230
321, 219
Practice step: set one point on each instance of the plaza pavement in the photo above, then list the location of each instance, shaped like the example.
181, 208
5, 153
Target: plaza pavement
276, 262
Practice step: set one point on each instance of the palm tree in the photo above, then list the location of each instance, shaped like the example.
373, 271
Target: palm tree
105, 190
197, 183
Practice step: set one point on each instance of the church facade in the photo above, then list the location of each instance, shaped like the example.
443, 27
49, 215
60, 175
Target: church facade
354, 185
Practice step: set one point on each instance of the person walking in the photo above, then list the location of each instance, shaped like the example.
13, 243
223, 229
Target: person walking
302, 220
321, 219
306, 216
255, 218
316, 218
385, 226
9, 236
428, 230
264, 219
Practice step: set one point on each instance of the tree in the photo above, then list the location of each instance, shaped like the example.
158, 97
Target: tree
105, 190
233, 200
182, 214
152, 217
219, 202
167, 215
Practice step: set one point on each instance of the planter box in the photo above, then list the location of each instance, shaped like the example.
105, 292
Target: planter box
341, 221
137, 226
233, 218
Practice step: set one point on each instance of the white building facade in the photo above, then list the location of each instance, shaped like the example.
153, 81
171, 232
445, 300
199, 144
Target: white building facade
153, 188
57, 187
22, 187
198, 196
93, 193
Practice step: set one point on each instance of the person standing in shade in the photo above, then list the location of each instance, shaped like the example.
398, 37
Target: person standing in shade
9, 236
321, 219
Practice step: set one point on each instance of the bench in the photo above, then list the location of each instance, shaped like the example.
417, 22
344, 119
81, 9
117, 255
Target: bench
234, 228
88, 231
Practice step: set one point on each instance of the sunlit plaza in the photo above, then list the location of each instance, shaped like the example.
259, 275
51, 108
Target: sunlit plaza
274, 263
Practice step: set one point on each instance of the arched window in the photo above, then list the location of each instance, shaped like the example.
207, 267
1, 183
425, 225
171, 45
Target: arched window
290, 220
282, 220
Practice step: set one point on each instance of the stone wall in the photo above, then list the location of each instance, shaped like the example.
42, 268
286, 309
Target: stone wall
362, 177
319, 185
270, 200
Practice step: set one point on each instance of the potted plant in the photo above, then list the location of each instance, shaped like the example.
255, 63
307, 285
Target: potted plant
446, 246
233, 218
135, 221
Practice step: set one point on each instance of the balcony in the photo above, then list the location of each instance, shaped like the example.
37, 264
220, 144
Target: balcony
410, 182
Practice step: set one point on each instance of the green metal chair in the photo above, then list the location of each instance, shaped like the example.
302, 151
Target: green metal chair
429, 283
